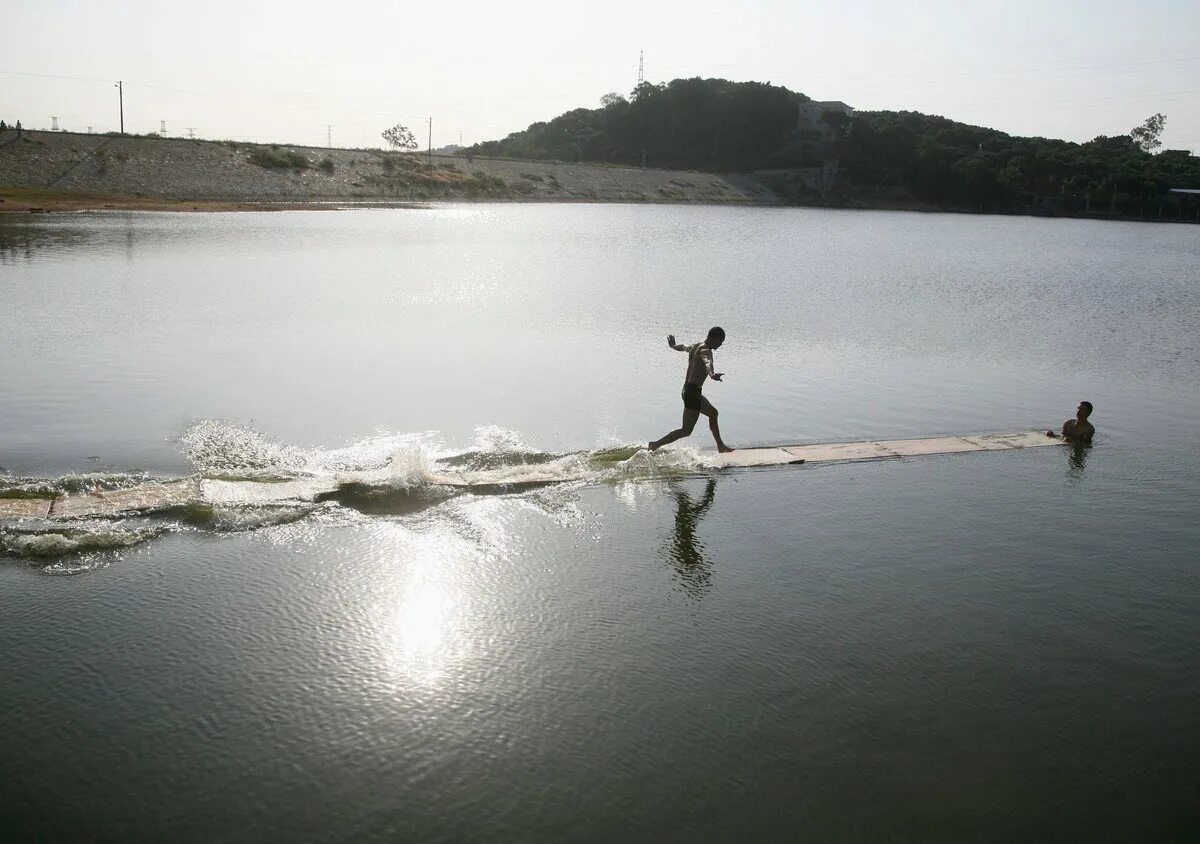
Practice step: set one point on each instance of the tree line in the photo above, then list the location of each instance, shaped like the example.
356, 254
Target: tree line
715, 125
952, 164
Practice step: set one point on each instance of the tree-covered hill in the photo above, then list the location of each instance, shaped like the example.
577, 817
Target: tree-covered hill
691, 124
715, 125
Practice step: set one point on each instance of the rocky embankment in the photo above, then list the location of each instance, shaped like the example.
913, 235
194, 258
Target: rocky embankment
59, 169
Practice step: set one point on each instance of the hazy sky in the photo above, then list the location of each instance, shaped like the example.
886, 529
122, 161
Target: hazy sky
283, 70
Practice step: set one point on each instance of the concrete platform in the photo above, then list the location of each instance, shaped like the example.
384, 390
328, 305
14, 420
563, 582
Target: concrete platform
934, 445
839, 451
160, 495
147, 498
745, 458
25, 508
877, 449
997, 442
262, 492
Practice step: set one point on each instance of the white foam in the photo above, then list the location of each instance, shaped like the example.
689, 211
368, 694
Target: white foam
493, 438
218, 448
57, 541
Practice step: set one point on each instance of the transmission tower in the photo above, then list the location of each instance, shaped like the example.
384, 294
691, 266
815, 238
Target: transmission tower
53, 124
191, 132
329, 135
641, 67
162, 128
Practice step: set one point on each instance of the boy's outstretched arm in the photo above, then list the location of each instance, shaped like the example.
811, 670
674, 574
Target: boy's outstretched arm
679, 347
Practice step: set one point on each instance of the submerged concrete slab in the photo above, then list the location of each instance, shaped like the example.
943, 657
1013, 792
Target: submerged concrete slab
832, 452
877, 450
25, 508
998, 442
746, 457
932, 445
263, 492
146, 498
158, 496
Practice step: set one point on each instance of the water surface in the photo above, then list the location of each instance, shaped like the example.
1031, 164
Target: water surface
980, 645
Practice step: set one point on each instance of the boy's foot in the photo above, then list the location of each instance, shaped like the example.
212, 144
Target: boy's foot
724, 449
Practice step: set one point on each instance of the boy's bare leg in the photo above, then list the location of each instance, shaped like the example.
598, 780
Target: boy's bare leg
684, 430
711, 412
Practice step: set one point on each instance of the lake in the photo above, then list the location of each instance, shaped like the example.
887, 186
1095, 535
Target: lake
949, 647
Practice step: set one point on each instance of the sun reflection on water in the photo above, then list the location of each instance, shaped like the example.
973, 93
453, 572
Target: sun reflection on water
423, 629
442, 570
424, 632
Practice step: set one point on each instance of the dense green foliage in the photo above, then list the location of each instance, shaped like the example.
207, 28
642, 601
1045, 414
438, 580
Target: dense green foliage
703, 124
953, 164
719, 126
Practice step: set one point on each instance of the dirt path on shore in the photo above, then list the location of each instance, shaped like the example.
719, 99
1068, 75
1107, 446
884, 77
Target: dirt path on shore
59, 171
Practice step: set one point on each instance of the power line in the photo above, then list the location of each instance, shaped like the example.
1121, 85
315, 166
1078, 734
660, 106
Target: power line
1061, 68
51, 76
193, 92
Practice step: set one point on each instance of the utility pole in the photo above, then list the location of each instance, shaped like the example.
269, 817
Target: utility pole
431, 143
329, 135
121, 100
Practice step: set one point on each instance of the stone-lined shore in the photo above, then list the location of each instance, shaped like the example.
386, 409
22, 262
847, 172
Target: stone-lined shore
60, 171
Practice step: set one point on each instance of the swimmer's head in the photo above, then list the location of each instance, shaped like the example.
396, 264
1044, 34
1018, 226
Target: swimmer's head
1084, 410
716, 336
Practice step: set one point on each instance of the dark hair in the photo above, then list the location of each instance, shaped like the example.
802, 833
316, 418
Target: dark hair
717, 331
1087, 405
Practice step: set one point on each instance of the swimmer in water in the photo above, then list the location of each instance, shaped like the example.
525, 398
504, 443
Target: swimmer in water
1078, 430
700, 366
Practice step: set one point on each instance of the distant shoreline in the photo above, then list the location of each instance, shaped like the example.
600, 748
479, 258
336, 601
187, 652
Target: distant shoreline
61, 172
16, 201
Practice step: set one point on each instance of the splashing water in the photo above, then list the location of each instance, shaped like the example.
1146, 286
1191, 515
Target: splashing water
248, 481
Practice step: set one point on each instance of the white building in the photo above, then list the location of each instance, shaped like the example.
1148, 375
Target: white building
812, 116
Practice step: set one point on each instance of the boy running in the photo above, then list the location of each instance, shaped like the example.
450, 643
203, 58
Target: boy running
700, 366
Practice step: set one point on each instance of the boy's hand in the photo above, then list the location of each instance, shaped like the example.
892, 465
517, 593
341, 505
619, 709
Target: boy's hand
671, 340
716, 376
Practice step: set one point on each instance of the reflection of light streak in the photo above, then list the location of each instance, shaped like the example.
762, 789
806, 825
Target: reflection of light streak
426, 627
421, 629
421, 621
634, 494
